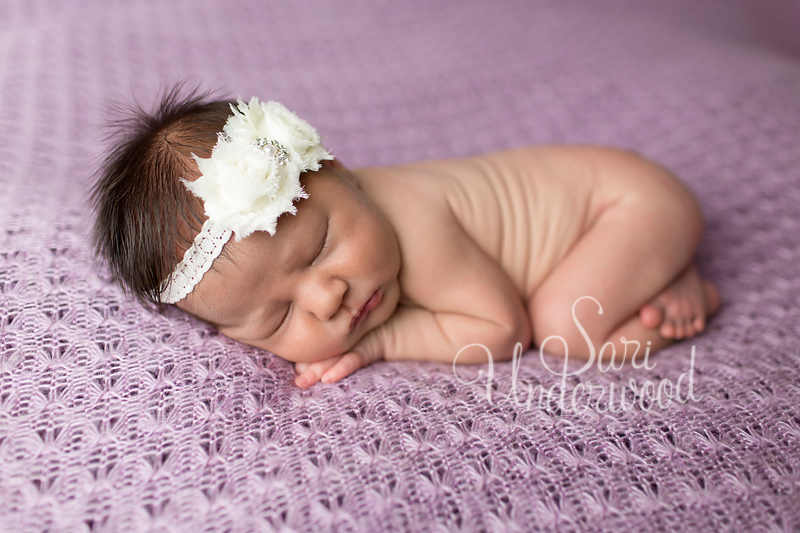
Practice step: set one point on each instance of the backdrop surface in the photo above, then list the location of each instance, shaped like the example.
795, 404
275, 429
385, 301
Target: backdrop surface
116, 419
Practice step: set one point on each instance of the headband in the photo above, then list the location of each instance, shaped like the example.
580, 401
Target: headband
251, 179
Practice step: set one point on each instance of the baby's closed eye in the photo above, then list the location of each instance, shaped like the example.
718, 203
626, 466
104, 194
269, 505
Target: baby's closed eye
284, 319
323, 245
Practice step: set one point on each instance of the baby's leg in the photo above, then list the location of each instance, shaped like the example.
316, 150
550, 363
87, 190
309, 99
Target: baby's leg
635, 255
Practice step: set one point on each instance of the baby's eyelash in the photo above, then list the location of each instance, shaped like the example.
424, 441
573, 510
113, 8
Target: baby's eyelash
324, 245
285, 318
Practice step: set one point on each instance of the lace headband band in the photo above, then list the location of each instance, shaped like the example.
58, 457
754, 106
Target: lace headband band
251, 179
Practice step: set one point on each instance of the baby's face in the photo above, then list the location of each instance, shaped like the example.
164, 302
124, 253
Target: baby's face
327, 277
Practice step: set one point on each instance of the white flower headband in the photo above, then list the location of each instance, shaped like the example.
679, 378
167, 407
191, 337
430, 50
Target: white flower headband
251, 179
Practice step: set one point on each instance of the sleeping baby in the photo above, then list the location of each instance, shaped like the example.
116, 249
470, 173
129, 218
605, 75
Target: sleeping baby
236, 214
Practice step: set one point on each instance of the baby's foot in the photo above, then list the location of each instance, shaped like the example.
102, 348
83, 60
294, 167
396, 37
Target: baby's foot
681, 310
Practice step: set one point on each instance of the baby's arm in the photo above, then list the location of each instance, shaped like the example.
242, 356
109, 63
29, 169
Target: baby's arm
460, 297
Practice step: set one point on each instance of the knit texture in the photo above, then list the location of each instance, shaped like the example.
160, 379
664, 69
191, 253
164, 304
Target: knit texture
114, 418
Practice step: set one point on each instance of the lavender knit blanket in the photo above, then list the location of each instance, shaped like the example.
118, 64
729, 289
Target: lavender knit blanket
116, 419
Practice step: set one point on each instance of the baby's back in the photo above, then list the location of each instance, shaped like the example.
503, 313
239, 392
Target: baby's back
525, 208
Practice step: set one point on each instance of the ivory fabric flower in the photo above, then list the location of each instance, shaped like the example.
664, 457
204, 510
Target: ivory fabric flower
250, 180
253, 174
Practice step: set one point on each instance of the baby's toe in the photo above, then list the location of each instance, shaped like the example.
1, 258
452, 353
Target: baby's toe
680, 329
699, 324
667, 330
651, 316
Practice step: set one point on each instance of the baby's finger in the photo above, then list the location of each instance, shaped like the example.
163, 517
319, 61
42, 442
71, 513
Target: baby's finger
313, 371
306, 379
349, 363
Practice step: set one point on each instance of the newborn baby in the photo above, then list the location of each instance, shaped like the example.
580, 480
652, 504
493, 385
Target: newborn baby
236, 214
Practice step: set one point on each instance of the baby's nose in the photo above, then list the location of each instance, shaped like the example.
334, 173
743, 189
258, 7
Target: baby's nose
326, 298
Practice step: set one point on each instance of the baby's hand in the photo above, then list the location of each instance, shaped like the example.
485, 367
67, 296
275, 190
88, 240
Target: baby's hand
367, 351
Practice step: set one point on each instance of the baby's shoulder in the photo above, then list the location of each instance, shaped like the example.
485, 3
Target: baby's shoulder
409, 187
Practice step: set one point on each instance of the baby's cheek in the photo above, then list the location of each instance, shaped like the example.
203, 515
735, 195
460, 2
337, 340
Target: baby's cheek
302, 345
310, 348
254, 342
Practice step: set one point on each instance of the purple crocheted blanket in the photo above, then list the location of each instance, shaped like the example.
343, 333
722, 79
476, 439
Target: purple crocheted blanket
113, 418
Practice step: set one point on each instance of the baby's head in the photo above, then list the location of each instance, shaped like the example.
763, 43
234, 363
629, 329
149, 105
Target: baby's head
237, 215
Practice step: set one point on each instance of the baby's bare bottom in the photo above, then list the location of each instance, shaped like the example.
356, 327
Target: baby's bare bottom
630, 276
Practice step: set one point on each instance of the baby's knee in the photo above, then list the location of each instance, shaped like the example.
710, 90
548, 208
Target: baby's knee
672, 200
635, 179
663, 209
681, 207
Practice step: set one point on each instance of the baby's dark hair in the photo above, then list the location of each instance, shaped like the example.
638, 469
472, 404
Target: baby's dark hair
145, 218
